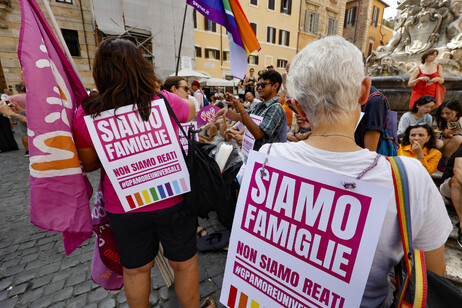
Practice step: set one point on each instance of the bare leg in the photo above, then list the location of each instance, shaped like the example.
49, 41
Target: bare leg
137, 285
452, 145
25, 143
455, 185
187, 282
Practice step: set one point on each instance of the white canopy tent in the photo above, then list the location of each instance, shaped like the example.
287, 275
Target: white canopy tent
216, 82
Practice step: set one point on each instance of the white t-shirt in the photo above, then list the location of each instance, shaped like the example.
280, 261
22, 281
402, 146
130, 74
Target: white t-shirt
430, 222
196, 103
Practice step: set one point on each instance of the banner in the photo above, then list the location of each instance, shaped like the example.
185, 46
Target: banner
183, 140
248, 141
143, 160
59, 191
299, 238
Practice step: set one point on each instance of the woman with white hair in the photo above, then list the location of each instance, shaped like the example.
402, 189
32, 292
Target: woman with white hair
328, 84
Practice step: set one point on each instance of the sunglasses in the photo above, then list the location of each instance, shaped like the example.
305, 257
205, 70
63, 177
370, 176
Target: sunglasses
263, 84
185, 88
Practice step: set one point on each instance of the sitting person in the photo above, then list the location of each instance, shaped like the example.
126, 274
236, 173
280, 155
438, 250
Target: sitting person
452, 187
419, 142
449, 121
419, 114
328, 86
302, 129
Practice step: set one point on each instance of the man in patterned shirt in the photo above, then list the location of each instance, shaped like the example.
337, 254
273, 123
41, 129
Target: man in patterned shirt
269, 130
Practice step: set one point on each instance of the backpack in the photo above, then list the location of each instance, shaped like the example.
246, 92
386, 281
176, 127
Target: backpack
206, 102
388, 142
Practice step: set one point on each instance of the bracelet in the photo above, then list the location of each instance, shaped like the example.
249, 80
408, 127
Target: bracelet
244, 112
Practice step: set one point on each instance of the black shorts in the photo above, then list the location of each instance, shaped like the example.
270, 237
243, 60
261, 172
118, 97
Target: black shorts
138, 234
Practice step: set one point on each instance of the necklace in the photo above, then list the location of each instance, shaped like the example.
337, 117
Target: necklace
333, 135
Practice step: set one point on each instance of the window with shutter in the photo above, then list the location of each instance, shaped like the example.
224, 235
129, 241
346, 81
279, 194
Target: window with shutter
308, 16
271, 5
271, 35
286, 6
350, 17
375, 16
331, 26
195, 19
198, 51
254, 2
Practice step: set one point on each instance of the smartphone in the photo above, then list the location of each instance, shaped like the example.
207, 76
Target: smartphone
455, 124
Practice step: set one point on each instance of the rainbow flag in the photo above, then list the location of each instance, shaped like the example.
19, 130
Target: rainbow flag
242, 39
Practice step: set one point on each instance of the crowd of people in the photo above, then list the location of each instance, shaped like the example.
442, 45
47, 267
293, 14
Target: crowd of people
310, 115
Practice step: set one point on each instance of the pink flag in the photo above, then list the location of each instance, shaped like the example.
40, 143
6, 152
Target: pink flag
60, 191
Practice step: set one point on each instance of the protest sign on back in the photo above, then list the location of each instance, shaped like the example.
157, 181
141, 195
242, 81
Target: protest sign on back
143, 160
299, 238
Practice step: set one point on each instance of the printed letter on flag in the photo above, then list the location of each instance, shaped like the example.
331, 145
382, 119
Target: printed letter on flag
242, 39
59, 190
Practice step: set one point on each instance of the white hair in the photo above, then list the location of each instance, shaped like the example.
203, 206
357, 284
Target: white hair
325, 78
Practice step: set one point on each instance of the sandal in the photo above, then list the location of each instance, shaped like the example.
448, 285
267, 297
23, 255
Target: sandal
201, 232
208, 302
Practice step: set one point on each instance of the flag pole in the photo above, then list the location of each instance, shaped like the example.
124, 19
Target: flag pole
60, 37
181, 41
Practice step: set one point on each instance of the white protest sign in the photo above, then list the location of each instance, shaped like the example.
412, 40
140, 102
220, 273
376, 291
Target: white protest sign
183, 140
143, 160
299, 238
248, 141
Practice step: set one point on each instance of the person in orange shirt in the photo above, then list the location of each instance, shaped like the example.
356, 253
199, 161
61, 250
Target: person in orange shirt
419, 142
289, 113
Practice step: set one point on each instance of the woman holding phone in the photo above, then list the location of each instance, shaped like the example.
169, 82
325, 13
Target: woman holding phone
449, 121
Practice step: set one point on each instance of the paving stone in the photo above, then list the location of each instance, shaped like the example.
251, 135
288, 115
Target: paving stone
43, 302
163, 293
54, 287
30, 296
63, 294
76, 279
214, 269
27, 245
87, 256
153, 298
5, 283
14, 270
25, 277
11, 263
108, 303
77, 302
81, 288
48, 269
207, 288
58, 305
9, 303
97, 295
121, 297
12, 256
28, 258
30, 251
16, 290
41, 281
33, 265
61, 274
46, 240
3, 295
70, 261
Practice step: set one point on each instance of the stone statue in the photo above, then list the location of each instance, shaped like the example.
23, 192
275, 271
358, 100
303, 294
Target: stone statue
420, 26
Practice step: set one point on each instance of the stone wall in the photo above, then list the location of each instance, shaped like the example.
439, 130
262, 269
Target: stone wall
68, 16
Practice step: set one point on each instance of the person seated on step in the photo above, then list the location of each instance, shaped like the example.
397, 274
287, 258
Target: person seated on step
452, 187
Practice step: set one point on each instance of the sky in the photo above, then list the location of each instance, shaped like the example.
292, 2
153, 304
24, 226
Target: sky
391, 10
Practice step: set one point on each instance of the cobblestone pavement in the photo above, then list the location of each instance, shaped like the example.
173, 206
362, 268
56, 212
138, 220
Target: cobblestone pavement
35, 271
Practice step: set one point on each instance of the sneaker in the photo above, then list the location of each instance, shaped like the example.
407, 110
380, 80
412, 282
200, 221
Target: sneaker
26, 153
459, 234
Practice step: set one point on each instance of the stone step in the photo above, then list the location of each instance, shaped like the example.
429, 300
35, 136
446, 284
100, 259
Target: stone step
453, 256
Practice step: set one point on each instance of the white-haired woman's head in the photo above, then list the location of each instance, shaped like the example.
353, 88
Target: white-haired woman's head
326, 78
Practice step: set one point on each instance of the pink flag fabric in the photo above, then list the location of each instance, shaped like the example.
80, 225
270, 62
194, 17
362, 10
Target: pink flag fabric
60, 191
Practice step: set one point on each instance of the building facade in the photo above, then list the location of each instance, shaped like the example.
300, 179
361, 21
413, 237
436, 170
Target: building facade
320, 18
363, 25
75, 21
275, 23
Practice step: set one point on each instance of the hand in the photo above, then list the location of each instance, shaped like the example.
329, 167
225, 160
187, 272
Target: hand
221, 112
417, 149
424, 78
436, 79
5, 109
16, 108
235, 102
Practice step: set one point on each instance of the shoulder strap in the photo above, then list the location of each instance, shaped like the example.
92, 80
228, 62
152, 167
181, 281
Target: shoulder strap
381, 95
413, 260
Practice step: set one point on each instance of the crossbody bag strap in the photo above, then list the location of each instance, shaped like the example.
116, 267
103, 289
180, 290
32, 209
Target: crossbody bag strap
173, 115
413, 261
